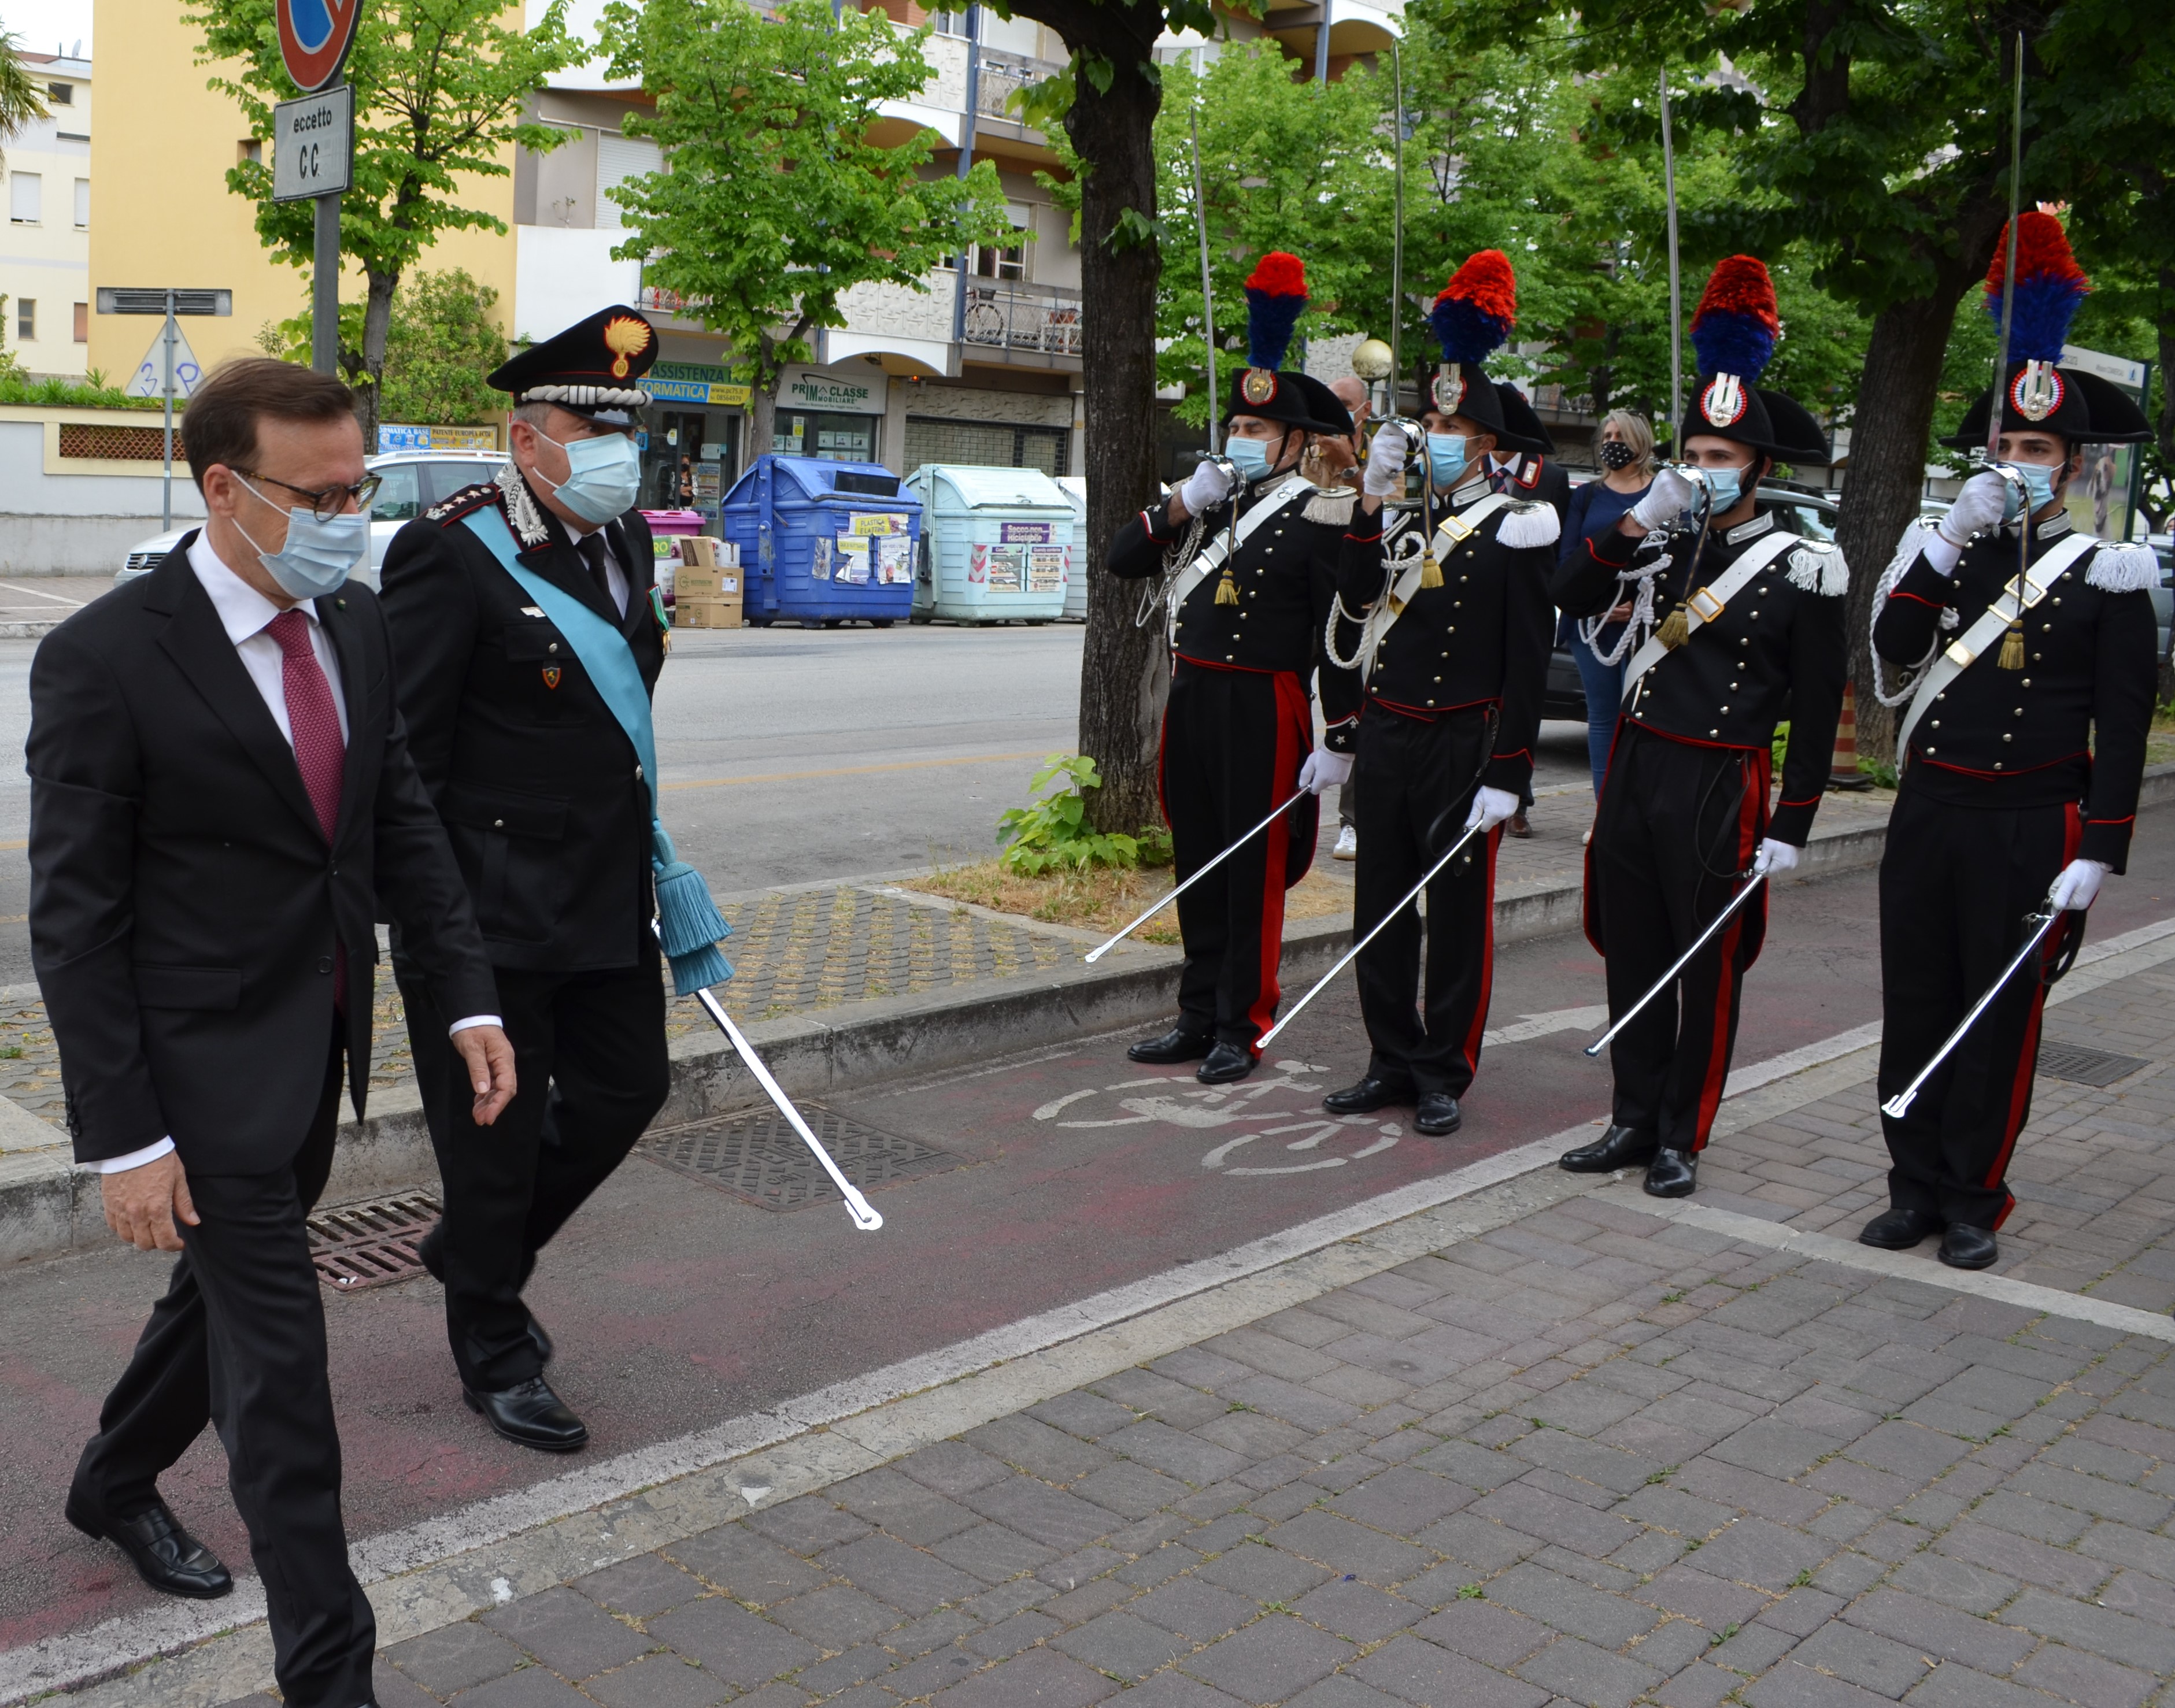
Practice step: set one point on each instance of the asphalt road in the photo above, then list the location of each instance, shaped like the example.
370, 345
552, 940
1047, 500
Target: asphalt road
1060, 1172
792, 755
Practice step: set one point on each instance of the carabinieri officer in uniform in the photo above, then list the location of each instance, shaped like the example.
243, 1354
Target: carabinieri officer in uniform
1450, 630
1238, 731
1755, 629
544, 790
2024, 748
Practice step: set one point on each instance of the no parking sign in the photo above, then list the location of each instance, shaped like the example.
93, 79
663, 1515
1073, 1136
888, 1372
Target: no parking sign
314, 38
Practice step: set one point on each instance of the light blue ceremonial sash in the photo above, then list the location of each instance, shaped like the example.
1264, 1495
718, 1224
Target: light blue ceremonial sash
688, 920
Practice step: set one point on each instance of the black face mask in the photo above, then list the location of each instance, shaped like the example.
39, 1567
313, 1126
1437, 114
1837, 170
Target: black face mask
1616, 454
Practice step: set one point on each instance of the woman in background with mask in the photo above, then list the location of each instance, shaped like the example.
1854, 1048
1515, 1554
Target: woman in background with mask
1624, 446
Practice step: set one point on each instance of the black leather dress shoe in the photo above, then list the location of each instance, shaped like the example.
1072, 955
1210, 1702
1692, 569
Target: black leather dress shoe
530, 1414
1365, 1096
1177, 1045
1437, 1114
1620, 1147
1899, 1230
1226, 1063
167, 1556
1672, 1174
1965, 1247
430, 1251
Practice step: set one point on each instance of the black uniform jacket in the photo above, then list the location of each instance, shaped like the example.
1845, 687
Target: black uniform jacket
1540, 477
184, 900
1480, 639
1286, 578
2071, 724
1778, 650
539, 787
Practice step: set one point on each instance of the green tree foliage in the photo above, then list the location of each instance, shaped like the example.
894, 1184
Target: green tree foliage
440, 89
778, 201
444, 338
21, 99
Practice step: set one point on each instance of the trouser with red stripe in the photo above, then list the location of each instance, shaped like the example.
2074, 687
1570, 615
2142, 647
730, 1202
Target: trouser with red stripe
1233, 743
1676, 823
1955, 885
1419, 777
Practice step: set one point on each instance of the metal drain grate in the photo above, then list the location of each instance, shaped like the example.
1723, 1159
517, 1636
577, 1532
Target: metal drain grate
372, 1244
758, 1158
2074, 1061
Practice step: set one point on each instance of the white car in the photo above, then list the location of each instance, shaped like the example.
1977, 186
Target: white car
413, 480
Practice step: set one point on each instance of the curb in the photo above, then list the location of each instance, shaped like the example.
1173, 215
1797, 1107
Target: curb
47, 1207
30, 630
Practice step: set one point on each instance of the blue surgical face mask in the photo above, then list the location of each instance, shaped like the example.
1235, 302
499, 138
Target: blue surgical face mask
1250, 455
1726, 484
319, 554
1446, 457
604, 475
2038, 485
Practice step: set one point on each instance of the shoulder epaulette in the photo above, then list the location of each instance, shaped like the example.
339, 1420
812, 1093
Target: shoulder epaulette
1526, 525
1817, 566
2123, 569
450, 510
1332, 505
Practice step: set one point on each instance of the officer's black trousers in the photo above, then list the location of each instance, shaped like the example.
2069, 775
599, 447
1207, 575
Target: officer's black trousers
589, 1052
1233, 743
1955, 885
1675, 823
1419, 780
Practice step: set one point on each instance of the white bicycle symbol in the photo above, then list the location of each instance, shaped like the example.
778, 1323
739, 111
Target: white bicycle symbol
1204, 1109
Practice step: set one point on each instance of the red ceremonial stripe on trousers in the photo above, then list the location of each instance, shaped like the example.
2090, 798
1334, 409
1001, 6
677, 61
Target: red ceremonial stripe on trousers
1294, 738
1751, 812
2027, 1058
1470, 1048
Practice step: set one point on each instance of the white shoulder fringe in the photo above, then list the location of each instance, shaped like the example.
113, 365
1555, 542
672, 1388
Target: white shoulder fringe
1819, 569
1525, 526
1332, 505
2123, 569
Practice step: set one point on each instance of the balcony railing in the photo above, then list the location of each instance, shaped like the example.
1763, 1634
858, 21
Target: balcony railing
1008, 314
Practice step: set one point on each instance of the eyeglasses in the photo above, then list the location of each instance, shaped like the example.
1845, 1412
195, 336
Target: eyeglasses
329, 502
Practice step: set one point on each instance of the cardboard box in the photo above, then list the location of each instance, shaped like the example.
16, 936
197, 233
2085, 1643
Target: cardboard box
692, 583
701, 552
706, 613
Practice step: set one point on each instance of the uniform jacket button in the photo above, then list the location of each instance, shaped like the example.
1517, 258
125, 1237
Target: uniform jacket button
2006, 736
1931, 752
553, 647
498, 824
324, 964
638, 773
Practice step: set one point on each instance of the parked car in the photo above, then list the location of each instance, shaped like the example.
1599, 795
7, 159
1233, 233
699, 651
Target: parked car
1810, 515
413, 480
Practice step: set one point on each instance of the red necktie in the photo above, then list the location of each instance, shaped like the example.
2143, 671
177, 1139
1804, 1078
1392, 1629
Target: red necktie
320, 752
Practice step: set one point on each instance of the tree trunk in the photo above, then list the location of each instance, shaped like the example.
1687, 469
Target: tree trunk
1125, 671
377, 322
1888, 440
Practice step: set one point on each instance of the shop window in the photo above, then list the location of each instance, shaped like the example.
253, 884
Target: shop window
26, 318
829, 437
26, 197
83, 323
985, 444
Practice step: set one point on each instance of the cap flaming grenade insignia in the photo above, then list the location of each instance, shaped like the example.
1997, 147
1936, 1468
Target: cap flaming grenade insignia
1733, 334
1470, 319
2050, 288
625, 338
1275, 295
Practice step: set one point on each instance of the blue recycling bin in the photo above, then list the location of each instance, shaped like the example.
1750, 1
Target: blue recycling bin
823, 543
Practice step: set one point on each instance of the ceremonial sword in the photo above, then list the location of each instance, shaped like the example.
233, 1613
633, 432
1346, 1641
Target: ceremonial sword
863, 1214
1698, 943
1097, 954
1900, 1105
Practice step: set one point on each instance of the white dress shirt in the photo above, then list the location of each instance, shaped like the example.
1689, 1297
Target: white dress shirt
246, 615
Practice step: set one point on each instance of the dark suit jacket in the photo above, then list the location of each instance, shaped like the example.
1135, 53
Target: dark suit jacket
538, 786
1542, 477
183, 900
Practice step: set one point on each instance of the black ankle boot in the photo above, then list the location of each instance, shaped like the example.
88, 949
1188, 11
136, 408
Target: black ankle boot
1620, 1147
1672, 1174
1180, 1044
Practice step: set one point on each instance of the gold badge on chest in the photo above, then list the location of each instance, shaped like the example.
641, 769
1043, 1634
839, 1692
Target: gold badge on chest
552, 674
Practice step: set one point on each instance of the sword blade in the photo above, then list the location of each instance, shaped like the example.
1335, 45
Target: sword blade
1900, 1105
1998, 408
1098, 953
1682, 961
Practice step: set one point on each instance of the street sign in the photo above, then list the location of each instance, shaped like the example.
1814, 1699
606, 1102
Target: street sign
2116, 370
157, 299
313, 145
149, 379
314, 38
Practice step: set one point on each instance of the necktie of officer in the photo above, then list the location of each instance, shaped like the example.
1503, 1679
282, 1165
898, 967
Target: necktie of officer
320, 753
594, 554
1499, 477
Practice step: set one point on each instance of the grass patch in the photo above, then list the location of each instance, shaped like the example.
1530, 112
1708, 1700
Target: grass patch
1102, 898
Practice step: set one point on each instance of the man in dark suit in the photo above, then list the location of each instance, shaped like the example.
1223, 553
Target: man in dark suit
550, 814
221, 791
1532, 476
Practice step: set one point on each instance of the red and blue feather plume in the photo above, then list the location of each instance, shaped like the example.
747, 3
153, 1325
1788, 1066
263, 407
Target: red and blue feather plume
1276, 296
1477, 309
2050, 288
1736, 325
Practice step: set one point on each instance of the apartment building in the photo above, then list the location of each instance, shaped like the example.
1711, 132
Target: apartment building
44, 255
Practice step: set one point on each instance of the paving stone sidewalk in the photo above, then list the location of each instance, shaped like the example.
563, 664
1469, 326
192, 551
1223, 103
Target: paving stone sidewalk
1594, 1456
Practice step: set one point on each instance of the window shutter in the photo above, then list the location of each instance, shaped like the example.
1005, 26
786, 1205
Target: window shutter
25, 197
618, 158
82, 204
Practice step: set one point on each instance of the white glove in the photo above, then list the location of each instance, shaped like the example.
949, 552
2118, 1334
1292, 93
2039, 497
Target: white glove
1324, 770
1386, 463
1490, 807
1669, 498
1978, 506
2080, 882
1775, 857
1205, 487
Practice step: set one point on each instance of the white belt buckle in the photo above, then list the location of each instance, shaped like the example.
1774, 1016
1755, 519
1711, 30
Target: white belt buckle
1703, 605
1458, 529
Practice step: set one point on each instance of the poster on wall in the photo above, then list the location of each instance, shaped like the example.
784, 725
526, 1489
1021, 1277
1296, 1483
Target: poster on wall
1008, 568
1046, 568
894, 560
850, 558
